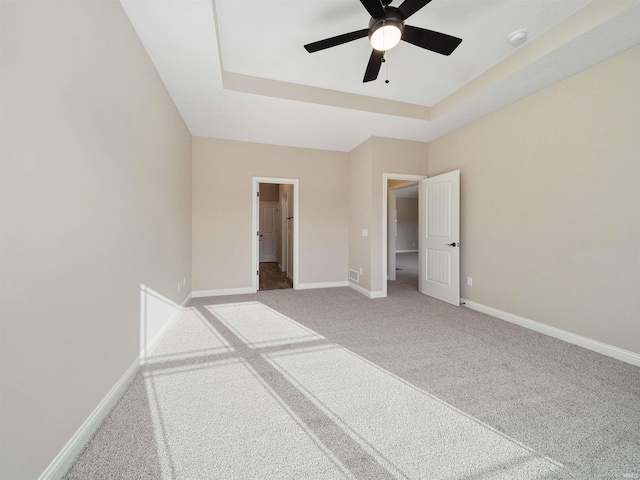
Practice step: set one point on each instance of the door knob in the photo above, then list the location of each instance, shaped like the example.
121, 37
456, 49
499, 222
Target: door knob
454, 244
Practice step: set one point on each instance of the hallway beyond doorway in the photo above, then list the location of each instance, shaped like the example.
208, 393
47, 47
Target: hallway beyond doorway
272, 278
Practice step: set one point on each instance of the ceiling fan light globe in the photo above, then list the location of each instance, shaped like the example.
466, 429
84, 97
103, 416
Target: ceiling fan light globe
385, 37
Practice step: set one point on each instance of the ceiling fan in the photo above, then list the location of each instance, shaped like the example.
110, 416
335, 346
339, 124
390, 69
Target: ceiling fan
386, 29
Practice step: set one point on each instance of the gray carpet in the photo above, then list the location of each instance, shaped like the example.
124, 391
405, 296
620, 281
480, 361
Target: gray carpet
330, 384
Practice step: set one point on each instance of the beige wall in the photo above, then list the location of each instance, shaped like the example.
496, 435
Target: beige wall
407, 237
360, 211
222, 206
551, 203
389, 156
96, 201
367, 164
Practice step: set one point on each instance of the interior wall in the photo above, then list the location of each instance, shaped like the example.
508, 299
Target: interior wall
550, 212
367, 164
269, 192
407, 237
222, 206
95, 193
360, 160
389, 155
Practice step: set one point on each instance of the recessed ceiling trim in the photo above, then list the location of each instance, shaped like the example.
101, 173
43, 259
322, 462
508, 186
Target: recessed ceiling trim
182, 42
321, 96
583, 21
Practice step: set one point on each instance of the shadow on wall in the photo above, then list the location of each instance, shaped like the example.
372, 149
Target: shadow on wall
241, 391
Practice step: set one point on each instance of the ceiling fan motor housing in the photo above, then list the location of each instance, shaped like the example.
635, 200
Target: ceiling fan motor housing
392, 18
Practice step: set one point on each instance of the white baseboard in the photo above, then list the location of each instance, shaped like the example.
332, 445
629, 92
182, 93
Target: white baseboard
58, 467
61, 463
218, 293
308, 286
186, 300
594, 345
407, 251
367, 293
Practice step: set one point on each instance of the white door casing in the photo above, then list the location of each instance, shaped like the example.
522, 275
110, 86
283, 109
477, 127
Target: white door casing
294, 246
439, 243
267, 229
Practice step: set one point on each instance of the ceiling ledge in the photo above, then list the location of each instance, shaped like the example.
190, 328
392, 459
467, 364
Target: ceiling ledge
321, 96
590, 17
585, 20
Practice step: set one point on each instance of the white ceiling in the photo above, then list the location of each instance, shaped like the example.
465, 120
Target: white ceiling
195, 61
249, 45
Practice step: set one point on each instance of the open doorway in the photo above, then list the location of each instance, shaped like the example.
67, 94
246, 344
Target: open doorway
403, 230
400, 201
275, 221
439, 234
274, 230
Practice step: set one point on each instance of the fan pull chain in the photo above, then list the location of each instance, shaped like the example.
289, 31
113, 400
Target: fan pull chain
386, 69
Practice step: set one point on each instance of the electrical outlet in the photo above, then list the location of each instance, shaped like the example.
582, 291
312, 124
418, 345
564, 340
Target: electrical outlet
178, 286
361, 271
469, 282
184, 281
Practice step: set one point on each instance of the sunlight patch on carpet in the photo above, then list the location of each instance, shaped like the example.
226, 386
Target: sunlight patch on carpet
408, 431
187, 336
260, 326
221, 420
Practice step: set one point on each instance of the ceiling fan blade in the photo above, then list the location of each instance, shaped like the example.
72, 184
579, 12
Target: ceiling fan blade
374, 7
409, 7
435, 41
335, 41
373, 67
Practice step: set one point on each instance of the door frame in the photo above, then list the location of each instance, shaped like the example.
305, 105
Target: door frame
385, 193
255, 260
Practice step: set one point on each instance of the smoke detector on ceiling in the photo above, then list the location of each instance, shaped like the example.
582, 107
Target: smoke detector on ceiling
518, 37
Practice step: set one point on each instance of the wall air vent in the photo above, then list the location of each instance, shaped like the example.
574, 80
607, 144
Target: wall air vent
354, 276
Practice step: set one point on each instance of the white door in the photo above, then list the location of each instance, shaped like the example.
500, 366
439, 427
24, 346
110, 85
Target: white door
268, 236
440, 237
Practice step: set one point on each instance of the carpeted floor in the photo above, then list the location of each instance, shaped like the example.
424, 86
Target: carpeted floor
329, 384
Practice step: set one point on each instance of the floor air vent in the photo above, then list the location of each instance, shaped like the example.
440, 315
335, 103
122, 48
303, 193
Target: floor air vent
354, 275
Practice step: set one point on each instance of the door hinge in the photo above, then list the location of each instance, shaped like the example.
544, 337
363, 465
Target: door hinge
258, 272
257, 194
258, 233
